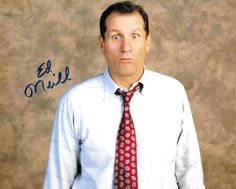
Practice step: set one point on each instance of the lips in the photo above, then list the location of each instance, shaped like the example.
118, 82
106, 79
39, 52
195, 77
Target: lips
126, 60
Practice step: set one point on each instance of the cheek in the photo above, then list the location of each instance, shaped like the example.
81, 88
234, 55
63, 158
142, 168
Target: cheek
111, 50
110, 55
141, 51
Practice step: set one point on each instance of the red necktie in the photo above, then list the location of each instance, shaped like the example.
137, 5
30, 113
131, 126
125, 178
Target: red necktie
126, 150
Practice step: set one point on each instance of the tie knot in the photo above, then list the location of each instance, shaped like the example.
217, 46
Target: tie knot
129, 94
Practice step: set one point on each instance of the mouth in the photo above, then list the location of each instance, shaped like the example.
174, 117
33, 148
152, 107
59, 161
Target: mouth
126, 60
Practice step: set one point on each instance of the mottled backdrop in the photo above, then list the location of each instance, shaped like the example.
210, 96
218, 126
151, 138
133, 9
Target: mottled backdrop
192, 40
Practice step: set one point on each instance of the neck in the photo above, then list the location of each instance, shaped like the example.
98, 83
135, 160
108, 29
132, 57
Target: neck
126, 82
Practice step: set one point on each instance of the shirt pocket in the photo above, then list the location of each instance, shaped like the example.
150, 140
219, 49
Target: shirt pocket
93, 152
162, 164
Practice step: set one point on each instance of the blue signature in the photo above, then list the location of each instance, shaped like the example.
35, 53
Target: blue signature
43, 70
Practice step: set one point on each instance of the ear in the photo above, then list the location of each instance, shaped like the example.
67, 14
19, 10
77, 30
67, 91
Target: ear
101, 43
148, 42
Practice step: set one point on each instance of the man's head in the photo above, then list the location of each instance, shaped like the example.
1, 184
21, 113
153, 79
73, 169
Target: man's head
125, 7
124, 41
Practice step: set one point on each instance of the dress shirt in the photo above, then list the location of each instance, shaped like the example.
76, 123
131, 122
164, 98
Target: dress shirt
85, 130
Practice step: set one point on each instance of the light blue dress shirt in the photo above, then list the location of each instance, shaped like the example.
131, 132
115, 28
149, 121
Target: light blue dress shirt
85, 130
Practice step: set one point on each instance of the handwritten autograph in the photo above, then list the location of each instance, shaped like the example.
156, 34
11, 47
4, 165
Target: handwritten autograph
43, 70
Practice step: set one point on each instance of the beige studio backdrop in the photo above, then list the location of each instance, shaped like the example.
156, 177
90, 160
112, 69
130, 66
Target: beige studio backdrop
192, 40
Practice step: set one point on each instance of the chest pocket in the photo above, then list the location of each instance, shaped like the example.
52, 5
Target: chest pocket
94, 152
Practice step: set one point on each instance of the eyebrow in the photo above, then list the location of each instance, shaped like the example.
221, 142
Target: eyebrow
116, 30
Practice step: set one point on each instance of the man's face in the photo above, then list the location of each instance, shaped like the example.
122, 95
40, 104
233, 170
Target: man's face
125, 46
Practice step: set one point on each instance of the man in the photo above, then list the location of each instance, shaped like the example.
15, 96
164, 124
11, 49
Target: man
129, 127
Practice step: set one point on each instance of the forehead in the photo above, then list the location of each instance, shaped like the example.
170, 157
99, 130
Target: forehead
118, 21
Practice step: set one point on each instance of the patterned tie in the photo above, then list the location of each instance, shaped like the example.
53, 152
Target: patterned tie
126, 156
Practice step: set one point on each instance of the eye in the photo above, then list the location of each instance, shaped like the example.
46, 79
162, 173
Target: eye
135, 35
116, 37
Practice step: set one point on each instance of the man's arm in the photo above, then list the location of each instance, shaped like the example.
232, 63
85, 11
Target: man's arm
64, 150
189, 172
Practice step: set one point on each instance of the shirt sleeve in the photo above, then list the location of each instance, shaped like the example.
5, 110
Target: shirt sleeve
189, 171
64, 150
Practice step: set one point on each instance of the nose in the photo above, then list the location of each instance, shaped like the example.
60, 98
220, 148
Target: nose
126, 45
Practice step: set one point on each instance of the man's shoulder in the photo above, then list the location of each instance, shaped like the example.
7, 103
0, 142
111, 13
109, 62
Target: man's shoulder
162, 80
91, 85
163, 85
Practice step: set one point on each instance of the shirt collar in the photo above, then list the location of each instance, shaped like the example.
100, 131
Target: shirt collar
110, 86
